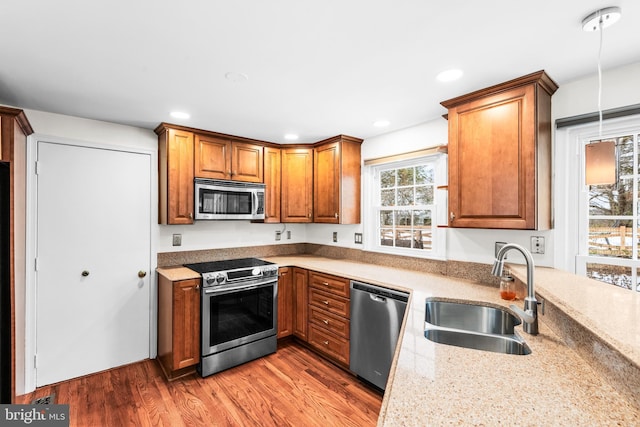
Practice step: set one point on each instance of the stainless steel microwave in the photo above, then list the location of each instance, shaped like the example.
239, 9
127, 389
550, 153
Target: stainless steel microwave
218, 199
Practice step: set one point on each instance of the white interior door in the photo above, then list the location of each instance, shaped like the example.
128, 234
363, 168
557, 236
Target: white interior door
93, 238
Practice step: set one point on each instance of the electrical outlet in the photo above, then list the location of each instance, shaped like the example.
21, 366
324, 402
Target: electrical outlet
537, 245
357, 238
177, 239
335, 236
278, 235
288, 234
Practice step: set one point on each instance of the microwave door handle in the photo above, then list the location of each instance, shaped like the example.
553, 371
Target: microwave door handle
254, 196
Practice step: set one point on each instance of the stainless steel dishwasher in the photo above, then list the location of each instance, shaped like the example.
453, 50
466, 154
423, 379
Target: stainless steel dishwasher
376, 317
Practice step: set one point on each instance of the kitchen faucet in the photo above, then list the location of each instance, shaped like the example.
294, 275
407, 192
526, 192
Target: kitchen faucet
530, 313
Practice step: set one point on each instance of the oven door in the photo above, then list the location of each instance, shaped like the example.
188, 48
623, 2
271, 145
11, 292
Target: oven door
238, 315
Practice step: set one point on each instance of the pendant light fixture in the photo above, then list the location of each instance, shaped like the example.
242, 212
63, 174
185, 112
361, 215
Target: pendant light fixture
600, 157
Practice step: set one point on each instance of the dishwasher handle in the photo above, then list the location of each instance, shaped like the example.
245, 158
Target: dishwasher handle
377, 298
379, 293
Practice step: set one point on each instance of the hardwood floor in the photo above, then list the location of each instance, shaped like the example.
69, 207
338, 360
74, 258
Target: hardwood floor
293, 387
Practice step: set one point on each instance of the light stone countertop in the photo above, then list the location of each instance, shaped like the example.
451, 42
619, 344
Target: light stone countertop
436, 384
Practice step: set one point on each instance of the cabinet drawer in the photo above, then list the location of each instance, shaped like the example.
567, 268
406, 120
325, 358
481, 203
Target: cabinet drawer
325, 320
331, 303
332, 284
329, 344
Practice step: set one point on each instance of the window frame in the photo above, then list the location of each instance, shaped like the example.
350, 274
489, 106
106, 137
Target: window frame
439, 207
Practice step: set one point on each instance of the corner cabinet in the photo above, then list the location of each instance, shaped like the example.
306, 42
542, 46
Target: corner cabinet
336, 180
175, 170
297, 185
178, 326
500, 155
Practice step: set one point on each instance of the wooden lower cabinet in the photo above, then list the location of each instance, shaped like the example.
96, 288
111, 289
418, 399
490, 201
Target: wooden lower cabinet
178, 326
329, 316
300, 302
285, 302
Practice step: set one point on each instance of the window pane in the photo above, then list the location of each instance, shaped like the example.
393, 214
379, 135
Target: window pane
424, 195
404, 237
386, 237
615, 199
388, 179
422, 239
403, 218
624, 147
405, 176
611, 238
424, 175
388, 197
422, 218
386, 218
405, 196
612, 274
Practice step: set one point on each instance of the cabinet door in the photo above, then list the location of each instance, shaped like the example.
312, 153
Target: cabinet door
492, 161
212, 157
285, 302
176, 180
246, 162
272, 174
297, 185
300, 296
186, 323
326, 183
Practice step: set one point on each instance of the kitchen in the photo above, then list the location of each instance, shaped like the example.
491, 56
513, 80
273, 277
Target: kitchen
575, 97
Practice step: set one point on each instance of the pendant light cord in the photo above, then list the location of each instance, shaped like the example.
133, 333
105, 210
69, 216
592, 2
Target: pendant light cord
600, 80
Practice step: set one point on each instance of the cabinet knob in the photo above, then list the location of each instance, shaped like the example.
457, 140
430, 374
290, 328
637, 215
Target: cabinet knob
190, 215
325, 302
197, 288
325, 321
85, 273
452, 216
325, 342
336, 215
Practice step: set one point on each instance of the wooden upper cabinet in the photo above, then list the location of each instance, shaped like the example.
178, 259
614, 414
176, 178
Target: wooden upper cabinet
175, 158
297, 185
212, 157
500, 155
223, 158
336, 183
272, 180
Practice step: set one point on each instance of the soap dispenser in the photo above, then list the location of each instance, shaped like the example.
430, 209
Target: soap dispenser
507, 286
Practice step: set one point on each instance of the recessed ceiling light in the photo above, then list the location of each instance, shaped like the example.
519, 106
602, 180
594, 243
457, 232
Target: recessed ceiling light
381, 123
180, 115
291, 137
449, 75
232, 76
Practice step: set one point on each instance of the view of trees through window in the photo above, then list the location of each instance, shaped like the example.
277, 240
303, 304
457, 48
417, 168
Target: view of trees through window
406, 206
613, 219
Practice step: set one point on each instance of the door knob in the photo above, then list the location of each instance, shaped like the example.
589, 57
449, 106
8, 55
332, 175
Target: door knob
85, 273
142, 274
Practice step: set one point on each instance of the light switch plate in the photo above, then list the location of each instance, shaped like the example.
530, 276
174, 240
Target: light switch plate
335, 236
177, 239
357, 238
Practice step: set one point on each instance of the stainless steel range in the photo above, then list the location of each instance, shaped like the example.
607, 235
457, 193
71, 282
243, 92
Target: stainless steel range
239, 308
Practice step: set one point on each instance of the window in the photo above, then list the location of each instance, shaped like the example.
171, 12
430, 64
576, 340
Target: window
402, 200
612, 218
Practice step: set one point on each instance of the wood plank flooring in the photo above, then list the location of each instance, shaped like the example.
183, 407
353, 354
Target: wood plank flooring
293, 387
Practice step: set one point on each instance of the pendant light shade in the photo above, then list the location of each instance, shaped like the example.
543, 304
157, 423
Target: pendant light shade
600, 164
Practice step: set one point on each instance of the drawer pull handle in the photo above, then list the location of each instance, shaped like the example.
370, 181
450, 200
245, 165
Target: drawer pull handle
325, 342
325, 283
325, 302
325, 321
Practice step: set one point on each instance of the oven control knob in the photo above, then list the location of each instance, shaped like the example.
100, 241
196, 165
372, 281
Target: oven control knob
210, 280
256, 271
220, 278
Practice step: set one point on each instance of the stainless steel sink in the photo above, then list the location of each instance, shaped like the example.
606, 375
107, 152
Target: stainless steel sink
470, 317
473, 325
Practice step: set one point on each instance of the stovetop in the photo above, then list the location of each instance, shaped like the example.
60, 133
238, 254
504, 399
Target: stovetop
226, 265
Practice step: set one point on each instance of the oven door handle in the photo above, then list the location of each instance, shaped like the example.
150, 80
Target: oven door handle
238, 288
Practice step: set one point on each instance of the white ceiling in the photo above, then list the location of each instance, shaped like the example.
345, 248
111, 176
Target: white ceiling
315, 68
